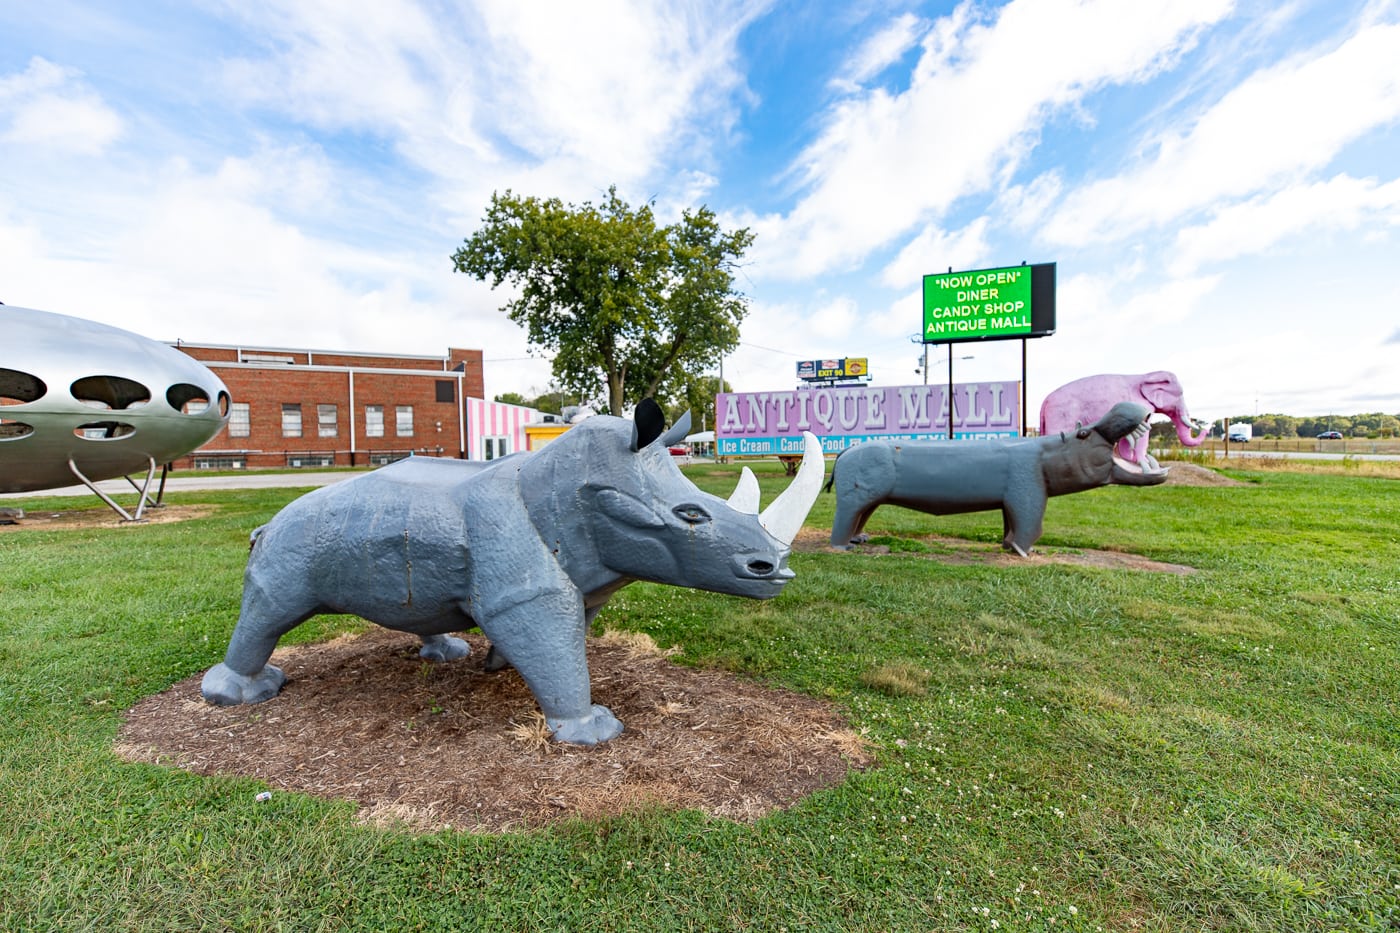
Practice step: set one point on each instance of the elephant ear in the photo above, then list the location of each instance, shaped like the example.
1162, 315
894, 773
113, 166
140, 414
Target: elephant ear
1161, 391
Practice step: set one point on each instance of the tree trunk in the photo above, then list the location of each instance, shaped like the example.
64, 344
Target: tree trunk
615, 379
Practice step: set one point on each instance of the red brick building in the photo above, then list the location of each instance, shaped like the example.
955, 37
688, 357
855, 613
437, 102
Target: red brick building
304, 408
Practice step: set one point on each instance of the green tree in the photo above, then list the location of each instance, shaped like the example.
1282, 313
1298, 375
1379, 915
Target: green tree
617, 299
552, 402
698, 398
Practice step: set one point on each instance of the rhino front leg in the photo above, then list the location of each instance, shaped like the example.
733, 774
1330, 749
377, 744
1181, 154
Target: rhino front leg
244, 676
544, 640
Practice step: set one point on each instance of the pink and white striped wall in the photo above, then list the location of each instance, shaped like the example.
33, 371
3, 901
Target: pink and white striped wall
496, 419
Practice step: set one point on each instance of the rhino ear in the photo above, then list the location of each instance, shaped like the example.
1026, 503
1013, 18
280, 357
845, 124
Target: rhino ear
678, 431
647, 423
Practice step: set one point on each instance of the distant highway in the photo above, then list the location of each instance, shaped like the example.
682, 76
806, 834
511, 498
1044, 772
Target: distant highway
187, 481
1243, 450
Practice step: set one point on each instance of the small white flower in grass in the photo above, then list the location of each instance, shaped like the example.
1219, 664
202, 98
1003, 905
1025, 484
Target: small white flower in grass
1072, 910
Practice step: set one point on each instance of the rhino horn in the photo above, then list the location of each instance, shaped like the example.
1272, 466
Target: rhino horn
784, 517
745, 497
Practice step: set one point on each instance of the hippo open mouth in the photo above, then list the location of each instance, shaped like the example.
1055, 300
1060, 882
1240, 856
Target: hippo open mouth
1127, 472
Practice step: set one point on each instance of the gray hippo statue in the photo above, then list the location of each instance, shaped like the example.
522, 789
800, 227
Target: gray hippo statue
1016, 476
528, 548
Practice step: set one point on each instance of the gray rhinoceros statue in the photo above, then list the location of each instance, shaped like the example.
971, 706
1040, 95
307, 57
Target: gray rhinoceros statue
528, 548
1016, 476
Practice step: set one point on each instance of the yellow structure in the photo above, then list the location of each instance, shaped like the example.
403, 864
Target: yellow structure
537, 435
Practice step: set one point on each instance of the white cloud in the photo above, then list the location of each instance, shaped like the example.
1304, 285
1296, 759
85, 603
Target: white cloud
49, 107
1254, 226
879, 51
883, 163
551, 98
833, 321
1277, 125
1025, 207
368, 67
934, 250
204, 257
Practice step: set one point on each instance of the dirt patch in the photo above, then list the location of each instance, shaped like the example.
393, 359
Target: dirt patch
103, 517
435, 745
1181, 473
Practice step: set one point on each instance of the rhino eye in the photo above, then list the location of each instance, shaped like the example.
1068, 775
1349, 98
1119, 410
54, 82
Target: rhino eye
692, 514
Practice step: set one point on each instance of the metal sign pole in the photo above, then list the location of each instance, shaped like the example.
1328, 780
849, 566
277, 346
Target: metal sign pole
950, 391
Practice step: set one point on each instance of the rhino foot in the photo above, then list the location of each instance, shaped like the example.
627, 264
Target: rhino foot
598, 726
223, 686
443, 648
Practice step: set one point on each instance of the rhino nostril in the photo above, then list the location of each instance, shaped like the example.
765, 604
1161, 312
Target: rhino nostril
760, 568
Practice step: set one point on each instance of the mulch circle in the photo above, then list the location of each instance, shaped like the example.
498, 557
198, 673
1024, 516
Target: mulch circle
448, 745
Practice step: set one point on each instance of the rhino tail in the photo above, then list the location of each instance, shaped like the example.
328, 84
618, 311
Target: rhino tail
831, 481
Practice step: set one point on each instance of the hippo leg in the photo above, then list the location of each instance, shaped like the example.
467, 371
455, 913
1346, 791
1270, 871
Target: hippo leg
443, 648
1023, 522
245, 676
543, 639
860, 537
850, 519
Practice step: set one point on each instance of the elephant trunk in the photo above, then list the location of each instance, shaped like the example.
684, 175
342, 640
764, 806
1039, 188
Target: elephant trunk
1183, 431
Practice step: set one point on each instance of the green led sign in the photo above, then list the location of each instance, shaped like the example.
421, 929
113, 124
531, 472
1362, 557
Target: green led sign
990, 304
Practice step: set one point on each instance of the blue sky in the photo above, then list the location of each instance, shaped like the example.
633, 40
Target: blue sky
1216, 181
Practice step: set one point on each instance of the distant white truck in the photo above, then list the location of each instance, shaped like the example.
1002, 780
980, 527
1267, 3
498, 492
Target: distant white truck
1240, 432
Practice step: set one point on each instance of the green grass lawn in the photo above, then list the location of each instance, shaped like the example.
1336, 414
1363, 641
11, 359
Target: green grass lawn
1059, 747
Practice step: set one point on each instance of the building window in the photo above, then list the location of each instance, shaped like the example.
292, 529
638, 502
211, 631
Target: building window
446, 390
325, 421
238, 422
403, 420
493, 447
291, 420
374, 421
221, 463
310, 459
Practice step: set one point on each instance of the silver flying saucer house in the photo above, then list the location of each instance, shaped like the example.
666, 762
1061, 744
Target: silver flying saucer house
84, 401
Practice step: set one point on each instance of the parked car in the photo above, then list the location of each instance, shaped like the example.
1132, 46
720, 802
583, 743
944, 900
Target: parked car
1239, 438
1330, 436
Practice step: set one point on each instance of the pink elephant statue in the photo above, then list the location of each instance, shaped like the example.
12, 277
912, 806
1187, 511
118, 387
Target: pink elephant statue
1085, 401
